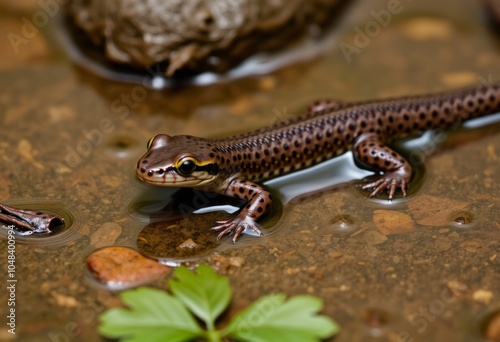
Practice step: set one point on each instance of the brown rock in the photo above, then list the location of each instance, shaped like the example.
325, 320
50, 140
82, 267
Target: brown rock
64, 301
196, 35
189, 243
482, 296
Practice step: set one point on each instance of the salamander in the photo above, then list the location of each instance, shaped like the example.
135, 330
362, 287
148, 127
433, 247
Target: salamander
233, 166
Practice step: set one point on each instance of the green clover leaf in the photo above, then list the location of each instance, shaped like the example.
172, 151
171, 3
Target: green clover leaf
206, 294
272, 319
152, 315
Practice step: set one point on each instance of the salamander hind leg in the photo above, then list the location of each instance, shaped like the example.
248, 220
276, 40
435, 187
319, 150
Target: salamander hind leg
258, 203
396, 170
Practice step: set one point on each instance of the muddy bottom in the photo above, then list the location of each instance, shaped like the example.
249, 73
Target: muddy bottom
424, 268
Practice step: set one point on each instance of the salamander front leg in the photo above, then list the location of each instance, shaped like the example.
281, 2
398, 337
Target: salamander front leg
259, 201
397, 171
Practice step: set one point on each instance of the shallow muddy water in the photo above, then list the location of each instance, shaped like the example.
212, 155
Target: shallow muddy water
424, 268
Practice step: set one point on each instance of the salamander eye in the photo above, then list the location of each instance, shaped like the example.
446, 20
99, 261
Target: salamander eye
186, 166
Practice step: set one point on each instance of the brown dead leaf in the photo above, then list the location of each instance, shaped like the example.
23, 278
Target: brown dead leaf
390, 222
123, 267
434, 211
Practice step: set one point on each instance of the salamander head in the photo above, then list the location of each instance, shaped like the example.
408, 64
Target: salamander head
178, 161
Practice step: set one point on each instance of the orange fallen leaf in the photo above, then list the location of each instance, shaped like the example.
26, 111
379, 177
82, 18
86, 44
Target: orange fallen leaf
122, 267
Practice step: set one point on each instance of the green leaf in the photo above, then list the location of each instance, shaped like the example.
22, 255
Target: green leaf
152, 315
272, 319
206, 294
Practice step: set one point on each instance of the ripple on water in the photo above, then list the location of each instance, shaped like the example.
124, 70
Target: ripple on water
376, 320
344, 224
123, 146
59, 236
461, 219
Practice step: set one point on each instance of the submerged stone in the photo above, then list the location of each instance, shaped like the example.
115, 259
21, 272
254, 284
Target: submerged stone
196, 35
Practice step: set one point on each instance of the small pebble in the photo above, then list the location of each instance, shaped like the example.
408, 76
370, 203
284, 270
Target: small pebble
482, 296
189, 243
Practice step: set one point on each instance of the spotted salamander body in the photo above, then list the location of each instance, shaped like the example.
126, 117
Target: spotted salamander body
232, 166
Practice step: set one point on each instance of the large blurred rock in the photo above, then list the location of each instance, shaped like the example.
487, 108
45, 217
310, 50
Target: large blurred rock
195, 34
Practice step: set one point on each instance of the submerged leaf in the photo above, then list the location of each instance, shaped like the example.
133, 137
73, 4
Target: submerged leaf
272, 319
152, 315
206, 294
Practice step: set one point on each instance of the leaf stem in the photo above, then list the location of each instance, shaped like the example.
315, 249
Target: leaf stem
213, 336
